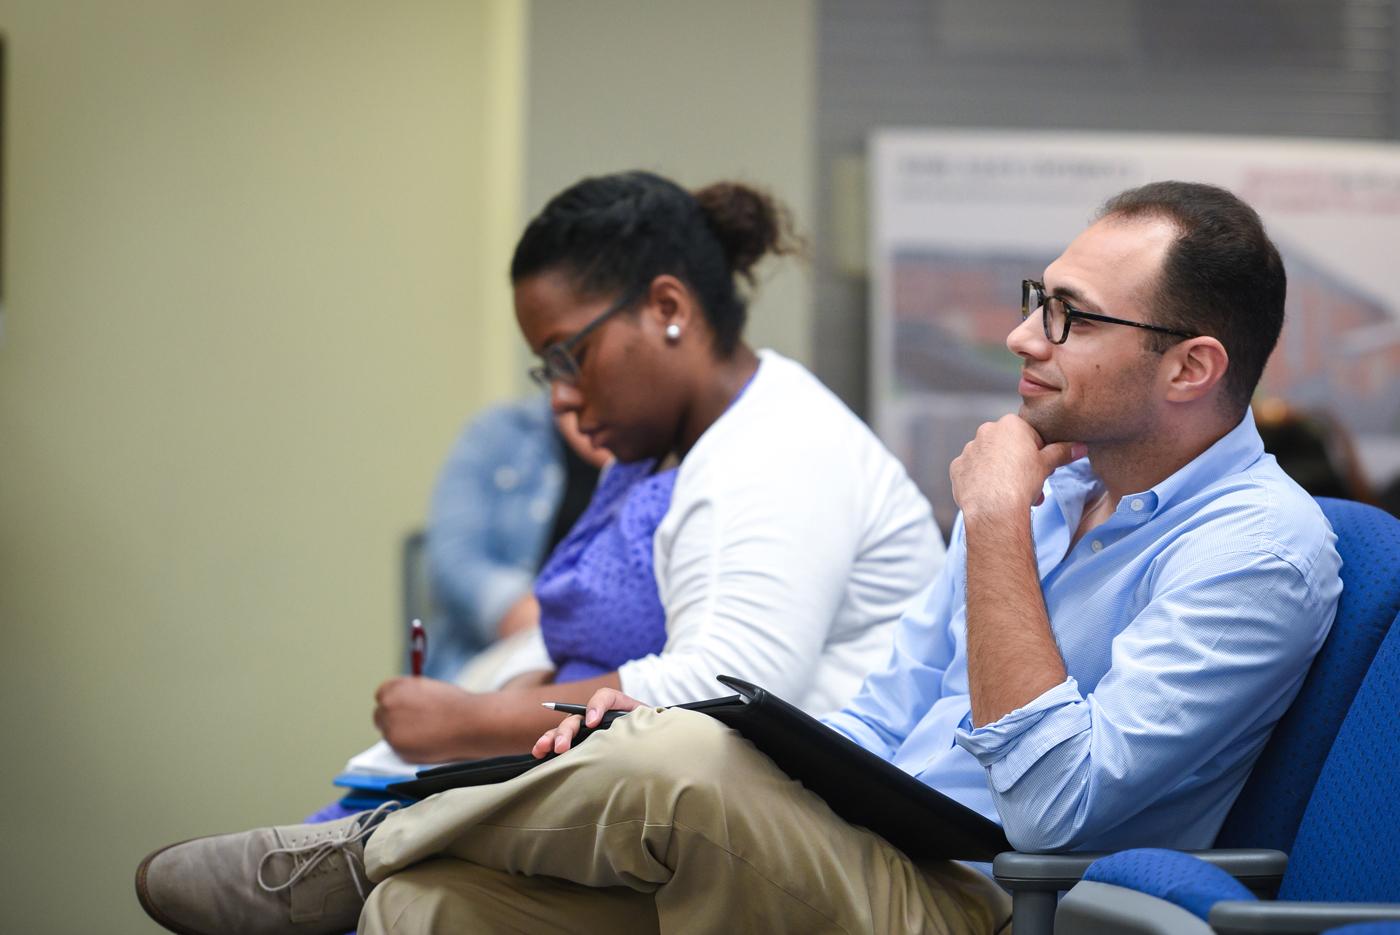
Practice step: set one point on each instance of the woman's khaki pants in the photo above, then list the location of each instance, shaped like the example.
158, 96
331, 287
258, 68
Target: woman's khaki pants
666, 822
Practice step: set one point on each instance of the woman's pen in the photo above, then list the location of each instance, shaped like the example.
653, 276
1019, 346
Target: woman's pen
566, 708
417, 645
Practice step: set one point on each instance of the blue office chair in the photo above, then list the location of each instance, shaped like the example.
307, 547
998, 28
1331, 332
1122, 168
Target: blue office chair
1345, 862
1261, 826
1270, 807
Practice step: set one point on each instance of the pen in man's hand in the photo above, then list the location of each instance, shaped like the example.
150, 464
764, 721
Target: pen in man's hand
566, 708
417, 645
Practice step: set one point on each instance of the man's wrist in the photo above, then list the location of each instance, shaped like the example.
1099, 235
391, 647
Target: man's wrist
999, 513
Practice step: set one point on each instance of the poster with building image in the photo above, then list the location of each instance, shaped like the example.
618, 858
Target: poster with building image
959, 218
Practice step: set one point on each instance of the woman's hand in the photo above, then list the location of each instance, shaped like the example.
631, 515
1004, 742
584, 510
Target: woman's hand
424, 720
561, 738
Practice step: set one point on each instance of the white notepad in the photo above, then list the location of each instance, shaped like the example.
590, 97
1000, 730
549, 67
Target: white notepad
381, 760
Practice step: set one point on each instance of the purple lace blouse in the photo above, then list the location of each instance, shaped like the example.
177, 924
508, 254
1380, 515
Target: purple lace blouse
597, 591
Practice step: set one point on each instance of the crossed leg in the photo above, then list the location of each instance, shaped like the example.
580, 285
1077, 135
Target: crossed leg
668, 819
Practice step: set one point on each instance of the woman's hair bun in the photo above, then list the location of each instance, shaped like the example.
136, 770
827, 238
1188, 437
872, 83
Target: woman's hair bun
613, 233
749, 224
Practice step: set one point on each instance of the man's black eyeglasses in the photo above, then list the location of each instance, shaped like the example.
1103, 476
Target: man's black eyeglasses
558, 363
1058, 315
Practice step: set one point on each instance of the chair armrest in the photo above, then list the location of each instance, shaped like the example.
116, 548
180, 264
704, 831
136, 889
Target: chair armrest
1036, 880
1233, 917
1103, 907
1041, 872
1259, 869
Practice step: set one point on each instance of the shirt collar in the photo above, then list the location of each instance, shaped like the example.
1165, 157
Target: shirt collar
1232, 452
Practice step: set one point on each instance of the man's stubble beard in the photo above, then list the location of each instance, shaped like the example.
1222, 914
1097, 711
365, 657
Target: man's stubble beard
1112, 412
1048, 420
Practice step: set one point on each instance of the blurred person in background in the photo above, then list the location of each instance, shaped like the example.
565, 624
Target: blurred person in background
1314, 449
517, 479
1389, 497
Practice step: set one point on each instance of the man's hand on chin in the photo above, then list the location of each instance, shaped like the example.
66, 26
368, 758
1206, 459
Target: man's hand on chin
1004, 467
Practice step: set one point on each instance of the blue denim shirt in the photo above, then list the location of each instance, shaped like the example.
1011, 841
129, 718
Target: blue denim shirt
488, 523
1186, 623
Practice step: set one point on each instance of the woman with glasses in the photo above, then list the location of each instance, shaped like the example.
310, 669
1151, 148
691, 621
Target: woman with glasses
751, 524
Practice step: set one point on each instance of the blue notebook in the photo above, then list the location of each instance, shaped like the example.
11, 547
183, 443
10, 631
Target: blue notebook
366, 791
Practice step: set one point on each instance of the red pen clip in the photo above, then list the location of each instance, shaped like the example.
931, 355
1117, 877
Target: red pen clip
418, 645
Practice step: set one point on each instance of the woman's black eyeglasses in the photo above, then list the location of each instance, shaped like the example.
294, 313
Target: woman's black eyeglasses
558, 363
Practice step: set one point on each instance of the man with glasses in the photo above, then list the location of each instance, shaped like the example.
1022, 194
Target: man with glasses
1132, 595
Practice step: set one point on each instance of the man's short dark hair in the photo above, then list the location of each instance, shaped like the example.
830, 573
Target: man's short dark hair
1222, 276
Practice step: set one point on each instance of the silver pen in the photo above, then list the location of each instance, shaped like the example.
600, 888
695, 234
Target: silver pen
564, 707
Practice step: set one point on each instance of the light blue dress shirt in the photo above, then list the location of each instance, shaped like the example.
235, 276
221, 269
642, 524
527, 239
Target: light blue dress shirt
1186, 623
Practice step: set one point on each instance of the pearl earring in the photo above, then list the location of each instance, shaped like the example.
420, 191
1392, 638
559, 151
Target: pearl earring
673, 332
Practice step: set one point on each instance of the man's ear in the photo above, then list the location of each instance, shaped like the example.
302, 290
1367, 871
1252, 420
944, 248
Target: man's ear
1195, 367
672, 303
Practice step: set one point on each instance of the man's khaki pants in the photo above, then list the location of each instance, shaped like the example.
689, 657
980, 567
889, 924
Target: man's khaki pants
666, 822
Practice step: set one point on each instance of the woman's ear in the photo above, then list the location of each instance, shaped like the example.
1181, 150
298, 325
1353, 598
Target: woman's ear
672, 307
1197, 366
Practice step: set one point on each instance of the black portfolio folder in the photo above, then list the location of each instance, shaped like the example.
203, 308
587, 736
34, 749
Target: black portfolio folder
858, 785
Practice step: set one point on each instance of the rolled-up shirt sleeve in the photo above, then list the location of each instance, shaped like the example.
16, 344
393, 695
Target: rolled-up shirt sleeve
1209, 664
998, 746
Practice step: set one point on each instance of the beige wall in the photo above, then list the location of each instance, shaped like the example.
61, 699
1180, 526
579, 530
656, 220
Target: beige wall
255, 257
695, 91
254, 284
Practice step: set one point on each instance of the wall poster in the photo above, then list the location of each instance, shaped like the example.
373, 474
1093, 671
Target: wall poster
960, 218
